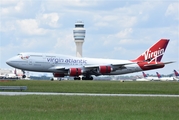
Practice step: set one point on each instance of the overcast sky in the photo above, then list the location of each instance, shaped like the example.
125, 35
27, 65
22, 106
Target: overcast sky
115, 29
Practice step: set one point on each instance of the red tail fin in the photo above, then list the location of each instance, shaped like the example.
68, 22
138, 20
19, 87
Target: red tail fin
176, 73
154, 53
158, 75
144, 75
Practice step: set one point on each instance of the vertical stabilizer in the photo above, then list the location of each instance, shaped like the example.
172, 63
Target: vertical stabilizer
158, 75
144, 75
154, 53
176, 73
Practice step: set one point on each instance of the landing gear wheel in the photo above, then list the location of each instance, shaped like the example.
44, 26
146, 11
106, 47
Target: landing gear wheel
23, 76
87, 78
76, 78
91, 78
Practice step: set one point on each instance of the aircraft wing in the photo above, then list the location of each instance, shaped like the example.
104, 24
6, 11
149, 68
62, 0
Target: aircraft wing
122, 65
90, 67
115, 66
57, 68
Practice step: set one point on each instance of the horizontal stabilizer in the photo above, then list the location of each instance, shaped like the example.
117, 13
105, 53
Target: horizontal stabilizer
168, 62
158, 64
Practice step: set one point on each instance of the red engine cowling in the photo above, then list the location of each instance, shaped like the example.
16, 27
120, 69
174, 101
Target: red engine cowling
75, 71
58, 75
104, 69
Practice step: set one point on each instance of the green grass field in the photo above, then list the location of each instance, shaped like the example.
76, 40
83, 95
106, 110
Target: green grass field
98, 86
49, 107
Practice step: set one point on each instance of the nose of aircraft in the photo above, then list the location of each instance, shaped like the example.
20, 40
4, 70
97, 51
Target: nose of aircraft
11, 61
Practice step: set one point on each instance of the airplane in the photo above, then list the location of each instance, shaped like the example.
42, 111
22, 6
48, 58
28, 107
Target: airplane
85, 68
147, 78
176, 75
164, 78
13, 75
2, 76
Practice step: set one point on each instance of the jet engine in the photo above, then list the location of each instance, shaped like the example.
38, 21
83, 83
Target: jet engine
58, 75
75, 71
104, 69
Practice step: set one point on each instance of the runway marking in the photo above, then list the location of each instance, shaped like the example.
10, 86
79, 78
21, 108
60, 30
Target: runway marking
86, 94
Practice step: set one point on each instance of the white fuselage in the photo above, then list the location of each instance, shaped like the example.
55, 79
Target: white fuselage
60, 63
148, 79
166, 78
156, 79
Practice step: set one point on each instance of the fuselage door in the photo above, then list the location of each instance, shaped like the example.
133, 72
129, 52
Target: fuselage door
30, 62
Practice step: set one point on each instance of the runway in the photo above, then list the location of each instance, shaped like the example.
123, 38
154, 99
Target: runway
86, 94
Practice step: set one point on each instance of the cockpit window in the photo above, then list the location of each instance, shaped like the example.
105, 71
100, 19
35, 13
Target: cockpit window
23, 57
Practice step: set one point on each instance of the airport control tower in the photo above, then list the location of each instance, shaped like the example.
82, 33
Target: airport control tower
79, 36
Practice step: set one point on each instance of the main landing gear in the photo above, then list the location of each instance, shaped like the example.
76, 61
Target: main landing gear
83, 78
77, 78
87, 78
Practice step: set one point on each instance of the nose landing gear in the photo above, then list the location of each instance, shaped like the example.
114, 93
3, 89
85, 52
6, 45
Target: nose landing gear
23, 76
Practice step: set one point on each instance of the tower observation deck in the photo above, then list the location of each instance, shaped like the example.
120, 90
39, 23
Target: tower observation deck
79, 36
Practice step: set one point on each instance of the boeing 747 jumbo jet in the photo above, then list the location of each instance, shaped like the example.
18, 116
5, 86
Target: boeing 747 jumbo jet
84, 68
